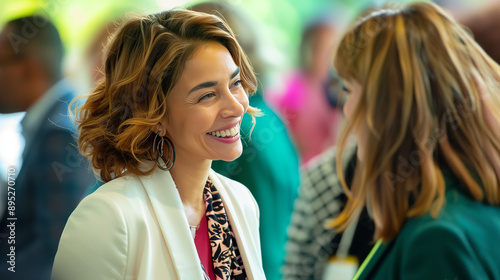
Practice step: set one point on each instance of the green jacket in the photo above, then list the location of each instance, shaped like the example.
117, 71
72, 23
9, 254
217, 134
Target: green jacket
462, 243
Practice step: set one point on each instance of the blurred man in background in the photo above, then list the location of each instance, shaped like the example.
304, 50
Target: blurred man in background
53, 176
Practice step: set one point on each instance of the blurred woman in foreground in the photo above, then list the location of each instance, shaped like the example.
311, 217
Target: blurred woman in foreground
424, 105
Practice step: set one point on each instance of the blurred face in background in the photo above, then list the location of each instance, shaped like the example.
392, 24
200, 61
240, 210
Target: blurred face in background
11, 75
323, 41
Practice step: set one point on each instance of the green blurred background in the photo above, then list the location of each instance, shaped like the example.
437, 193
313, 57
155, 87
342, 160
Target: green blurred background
279, 22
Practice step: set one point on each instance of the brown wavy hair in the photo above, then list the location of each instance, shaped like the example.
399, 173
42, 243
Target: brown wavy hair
143, 61
430, 105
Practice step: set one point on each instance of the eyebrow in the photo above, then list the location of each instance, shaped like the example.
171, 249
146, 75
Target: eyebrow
211, 83
236, 72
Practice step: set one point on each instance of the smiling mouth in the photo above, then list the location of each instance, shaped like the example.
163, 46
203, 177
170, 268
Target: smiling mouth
226, 133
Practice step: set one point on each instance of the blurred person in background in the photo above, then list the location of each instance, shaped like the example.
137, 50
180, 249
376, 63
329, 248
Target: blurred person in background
53, 176
423, 103
307, 102
175, 90
87, 68
314, 251
94, 53
269, 165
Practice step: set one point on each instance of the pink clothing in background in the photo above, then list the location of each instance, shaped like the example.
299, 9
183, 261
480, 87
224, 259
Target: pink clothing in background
312, 121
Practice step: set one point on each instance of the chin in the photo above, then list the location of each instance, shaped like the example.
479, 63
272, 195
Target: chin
231, 156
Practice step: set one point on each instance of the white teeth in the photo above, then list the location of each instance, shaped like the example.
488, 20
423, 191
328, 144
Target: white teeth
228, 132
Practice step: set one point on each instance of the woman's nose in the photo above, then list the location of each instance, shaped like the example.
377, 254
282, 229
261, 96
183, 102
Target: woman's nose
234, 104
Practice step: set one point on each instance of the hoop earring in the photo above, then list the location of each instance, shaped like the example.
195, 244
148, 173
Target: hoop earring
158, 154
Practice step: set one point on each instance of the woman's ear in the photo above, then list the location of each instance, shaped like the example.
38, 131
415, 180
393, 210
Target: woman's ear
160, 126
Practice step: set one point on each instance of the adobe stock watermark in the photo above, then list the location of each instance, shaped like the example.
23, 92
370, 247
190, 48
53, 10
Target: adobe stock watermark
258, 141
72, 160
11, 218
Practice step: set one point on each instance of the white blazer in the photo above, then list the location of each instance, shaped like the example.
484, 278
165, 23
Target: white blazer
135, 228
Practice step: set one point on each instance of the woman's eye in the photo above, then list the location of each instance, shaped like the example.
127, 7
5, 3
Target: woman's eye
345, 89
206, 96
237, 83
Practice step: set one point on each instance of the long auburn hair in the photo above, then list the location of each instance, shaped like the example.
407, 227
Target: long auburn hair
430, 104
143, 62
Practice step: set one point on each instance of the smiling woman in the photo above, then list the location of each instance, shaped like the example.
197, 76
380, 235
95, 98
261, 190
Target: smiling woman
175, 90
206, 107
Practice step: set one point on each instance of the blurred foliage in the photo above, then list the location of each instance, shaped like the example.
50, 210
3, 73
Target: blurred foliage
280, 22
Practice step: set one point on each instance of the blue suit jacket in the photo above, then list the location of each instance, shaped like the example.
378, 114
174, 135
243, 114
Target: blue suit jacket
50, 184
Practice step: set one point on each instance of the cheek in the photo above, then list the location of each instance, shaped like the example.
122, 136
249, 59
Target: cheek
243, 100
362, 142
348, 109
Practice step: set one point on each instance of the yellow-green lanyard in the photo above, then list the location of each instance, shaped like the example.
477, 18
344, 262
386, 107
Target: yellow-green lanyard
367, 260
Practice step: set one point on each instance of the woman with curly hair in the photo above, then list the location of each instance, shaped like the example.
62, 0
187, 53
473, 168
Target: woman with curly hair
175, 90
